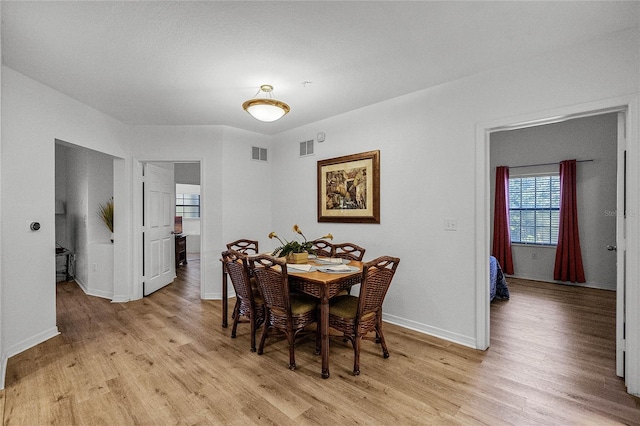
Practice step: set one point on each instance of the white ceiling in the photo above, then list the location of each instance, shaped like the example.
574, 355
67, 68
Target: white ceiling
194, 63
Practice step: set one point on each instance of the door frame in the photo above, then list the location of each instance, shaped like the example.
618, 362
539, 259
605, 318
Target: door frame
483, 215
137, 179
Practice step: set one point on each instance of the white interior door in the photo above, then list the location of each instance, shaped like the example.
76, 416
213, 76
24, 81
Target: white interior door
621, 245
159, 212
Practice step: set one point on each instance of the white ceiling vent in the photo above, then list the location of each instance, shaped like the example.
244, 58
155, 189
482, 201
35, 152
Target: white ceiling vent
306, 148
258, 154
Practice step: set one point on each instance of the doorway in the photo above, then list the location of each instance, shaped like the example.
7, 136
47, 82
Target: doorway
189, 171
627, 295
188, 206
85, 180
533, 155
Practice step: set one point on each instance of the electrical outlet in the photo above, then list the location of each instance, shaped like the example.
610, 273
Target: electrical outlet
450, 224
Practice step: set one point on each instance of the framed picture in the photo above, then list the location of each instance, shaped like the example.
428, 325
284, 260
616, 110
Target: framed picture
349, 188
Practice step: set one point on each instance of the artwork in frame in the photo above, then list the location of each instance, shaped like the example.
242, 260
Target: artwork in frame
349, 188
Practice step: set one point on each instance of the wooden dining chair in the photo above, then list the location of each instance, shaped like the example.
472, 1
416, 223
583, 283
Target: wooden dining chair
357, 316
249, 302
348, 251
322, 248
285, 311
244, 246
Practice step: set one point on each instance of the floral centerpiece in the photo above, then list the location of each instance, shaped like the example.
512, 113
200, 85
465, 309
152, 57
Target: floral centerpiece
295, 251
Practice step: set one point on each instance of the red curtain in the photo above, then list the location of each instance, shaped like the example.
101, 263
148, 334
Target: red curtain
501, 236
568, 256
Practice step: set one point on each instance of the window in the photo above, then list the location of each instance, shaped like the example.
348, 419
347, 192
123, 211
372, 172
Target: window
534, 209
188, 205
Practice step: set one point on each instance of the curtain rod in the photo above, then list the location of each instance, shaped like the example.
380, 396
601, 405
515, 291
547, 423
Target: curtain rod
546, 164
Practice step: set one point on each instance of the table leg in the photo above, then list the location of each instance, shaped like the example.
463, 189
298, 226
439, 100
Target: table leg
225, 302
67, 275
324, 333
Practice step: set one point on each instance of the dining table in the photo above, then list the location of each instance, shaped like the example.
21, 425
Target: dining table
324, 283
321, 278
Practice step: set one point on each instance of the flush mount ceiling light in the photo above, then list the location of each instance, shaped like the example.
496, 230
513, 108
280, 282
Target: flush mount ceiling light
266, 109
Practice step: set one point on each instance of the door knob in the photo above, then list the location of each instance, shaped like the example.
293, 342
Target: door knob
612, 248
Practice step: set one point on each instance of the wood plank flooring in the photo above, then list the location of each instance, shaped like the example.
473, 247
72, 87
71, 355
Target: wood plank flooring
165, 360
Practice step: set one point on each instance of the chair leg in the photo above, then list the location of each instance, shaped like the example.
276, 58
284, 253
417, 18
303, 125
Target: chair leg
385, 352
260, 319
264, 336
236, 319
252, 320
234, 313
292, 356
356, 354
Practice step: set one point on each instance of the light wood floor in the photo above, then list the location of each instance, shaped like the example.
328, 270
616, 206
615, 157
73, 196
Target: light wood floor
166, 360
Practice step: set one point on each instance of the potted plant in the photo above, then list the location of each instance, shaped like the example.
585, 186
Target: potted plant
295, 251
105, 212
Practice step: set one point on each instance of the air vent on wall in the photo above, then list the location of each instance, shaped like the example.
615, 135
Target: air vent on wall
259, 154
306, 148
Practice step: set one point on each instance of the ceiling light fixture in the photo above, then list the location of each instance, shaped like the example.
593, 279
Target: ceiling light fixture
266, 109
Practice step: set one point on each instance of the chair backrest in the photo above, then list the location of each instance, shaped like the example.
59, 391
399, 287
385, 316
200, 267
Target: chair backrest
273, 281
244, 246
236, 266
322, 248
376, 279
348, 251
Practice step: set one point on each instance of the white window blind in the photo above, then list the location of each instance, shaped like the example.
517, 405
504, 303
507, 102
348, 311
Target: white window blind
534, 209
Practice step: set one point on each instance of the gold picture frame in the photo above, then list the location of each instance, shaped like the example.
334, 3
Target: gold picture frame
349, 188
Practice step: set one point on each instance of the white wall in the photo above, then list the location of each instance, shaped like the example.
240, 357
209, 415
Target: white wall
100, 248
100, 178
187, 173
248, 188
61, 169
33, 117
593, 138
235, 193
3, 358
428, 172
77, 185
84, 179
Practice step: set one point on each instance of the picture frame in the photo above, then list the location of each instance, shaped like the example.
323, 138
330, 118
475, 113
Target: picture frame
349, 188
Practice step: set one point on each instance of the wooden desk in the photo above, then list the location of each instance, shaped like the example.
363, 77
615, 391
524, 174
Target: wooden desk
324, 286
66, 272
181, 250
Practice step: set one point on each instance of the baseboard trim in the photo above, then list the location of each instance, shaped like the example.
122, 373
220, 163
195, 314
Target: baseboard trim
99, 293
3, 370
217, 295
431, 331
599, 286
82, 285
23, 346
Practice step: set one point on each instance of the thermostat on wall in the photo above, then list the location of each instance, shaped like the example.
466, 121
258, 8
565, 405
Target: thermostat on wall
320, 137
